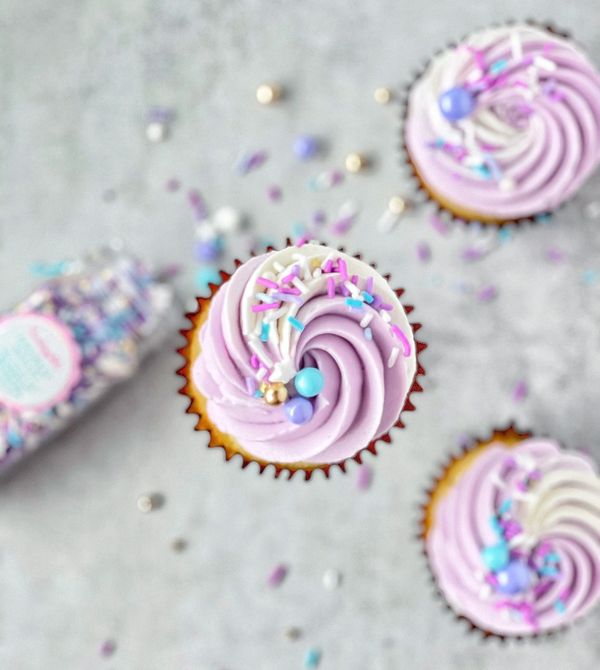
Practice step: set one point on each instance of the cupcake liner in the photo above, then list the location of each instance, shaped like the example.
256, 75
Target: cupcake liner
451, 468
419, 183
217, 439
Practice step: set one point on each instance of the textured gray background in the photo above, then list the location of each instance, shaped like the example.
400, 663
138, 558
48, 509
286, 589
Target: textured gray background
78, 562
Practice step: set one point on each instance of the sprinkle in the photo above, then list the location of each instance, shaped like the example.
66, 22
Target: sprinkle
590, 277
439, 224
264, 332
355, 304
344, 291
498, 66
278, 266
108, 648
393, 357
265, 306
386, 307
249, 162
386, 317
560, 606
544, 63
402, 337
258, 393
254, 362
327, 268
250, 385
368, 298
330, 287
368, 334
354, 290
505, 507
289, 291
332, 579
516, 46
555, 255
286, 297
260, 375
312, 658
354, 280
520, 391
364, 477
269, 283
274, 193
277, 576
487, 293
298, 325
343, 269
300, 285
366, 320
369, 285
423, 252
263, 297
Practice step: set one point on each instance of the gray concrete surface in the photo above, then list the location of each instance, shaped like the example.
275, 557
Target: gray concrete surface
78, 562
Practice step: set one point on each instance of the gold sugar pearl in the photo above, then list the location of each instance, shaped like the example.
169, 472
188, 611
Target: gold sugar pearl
397, 205
276, 394
267, 94
382, 95
355, 162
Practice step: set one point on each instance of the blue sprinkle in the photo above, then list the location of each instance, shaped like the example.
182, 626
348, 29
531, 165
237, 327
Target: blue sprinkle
264, 332
543, 218
560, 606
352, 302
14, 439
552, 558
482, 170
549, 571
258, 393
312, 658
590, 277
206, 276
368, 334
368, 297
498, 66
505, 234
439, 143
298, 325
298, 229
505, 507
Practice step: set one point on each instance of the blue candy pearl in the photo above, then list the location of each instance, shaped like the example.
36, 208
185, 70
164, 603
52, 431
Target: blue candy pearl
456, 103
209, 250
306, 147
206, 276
298, 410
496, 557
515, 578
309, 382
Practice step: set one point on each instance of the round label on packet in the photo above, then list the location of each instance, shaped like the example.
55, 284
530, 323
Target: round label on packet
39, 362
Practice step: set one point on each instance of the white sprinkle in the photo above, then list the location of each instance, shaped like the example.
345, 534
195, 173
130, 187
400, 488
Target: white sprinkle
366, 320
332, 579
300, 285
507, 184
317, 273
328, 258
544, 63
393, 357
278, 266
354, 290
387, 221
385, 316
277, 314
259, 350
263, 297
261, 374
516, 46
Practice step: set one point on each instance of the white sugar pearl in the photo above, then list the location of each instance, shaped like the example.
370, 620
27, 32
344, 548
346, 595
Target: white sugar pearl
227, 220
156, 132
507, 184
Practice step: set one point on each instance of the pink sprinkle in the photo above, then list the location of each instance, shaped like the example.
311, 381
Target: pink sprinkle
354, 280
369, 285
439, 224
565, 595
522, 486
487, 293
423, 252
289, 278
302, 240
277, 576
364, 477
330, 287
535, 475
402, 337
254, 362
328, 266
520, 391
263, 281
343, 269
274, 193
544, 548
512, 529
541, 588
491, 579
263, 307
386, 307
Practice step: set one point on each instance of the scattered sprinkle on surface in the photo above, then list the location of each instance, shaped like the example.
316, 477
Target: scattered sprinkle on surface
277, 576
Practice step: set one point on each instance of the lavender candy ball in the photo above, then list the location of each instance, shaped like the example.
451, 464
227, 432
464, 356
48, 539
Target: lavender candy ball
456, 103
306, 147
298, 410
515, 578
208, 250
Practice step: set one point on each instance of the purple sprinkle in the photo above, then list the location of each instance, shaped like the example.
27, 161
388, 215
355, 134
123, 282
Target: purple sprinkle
173, 185
328, 266
512, 528
277, 575
439, 224
251, 162
108, 648
343, 290
369, 285
343, 270
364, 477
376, 304
342, 225
487, 293
386, 307
555, 255
251, 385
319, 217
197, 203
472, 254
254, 362
423, 252
354, 280
287, 297
520, 391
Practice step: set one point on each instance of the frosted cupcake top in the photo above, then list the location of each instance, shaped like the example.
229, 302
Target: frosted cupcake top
507, 124
514, 543
307, 356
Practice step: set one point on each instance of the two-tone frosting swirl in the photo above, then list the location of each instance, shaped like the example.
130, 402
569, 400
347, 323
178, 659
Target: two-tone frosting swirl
307, 306
514, 543
533, 135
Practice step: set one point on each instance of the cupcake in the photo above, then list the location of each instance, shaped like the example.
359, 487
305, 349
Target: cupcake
512, 535
506, 125
301, 359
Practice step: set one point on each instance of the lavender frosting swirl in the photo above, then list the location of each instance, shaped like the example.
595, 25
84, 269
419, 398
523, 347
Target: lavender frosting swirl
339, 316
554, 527
533, 136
